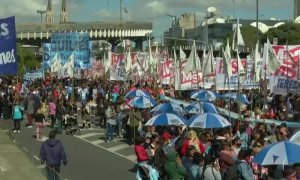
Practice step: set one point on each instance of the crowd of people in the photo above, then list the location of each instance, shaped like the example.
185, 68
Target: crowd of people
172, 152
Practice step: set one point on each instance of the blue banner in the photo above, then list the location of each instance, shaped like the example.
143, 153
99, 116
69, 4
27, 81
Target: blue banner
8, 46
66, 44
47, 55
32, 75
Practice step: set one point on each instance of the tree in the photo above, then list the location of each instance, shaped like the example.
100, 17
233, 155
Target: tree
286, 33
249, 36
27, 60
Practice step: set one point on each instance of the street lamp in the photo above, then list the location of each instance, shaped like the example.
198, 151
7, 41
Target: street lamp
41, 12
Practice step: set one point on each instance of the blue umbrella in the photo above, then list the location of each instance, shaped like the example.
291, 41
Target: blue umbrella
166, 119
207, 121
142, 102
280, 153
137, 92
204, 107
167, 107
205, 95
241, 98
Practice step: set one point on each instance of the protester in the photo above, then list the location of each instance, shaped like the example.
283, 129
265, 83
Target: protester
110, 114
173, 166
52, 154
17, 116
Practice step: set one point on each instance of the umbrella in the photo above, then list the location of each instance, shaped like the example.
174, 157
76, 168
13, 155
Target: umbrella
207, 121
167, 107
296, 137
142, 102
137, 92
204, 107
205, 95
241, 98
166, 119
280, 153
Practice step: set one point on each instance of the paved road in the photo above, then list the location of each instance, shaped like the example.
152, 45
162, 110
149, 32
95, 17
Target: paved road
89, 156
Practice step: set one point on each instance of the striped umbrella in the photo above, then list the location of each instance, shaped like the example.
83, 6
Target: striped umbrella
142, 102
202, 107
205, 95
166, 119
241, 98
167, 107
207, 121
137, 92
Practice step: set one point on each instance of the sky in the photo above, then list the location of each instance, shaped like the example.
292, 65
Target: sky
147, 10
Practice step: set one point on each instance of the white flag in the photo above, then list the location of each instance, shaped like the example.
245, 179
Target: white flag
227, 64
237, 37
182, 54
241, 69
208, 63
257, 59
193, 62
272, 61
128, 62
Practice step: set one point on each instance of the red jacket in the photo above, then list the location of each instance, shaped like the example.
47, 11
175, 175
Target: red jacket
141, 153
186, 145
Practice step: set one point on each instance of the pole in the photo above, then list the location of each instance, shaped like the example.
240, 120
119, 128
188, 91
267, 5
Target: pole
257, 21
120, 11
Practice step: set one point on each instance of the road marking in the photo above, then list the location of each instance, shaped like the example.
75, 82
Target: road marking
119, 147
132, 157
25, 149
121, 155
36, 158
99, 141
89, 135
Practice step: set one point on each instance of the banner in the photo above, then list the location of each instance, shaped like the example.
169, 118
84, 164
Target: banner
32, 75
8, 47
66, 44
117, 68
246, 80
286, 78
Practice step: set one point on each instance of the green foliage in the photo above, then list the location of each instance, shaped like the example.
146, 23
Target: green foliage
26, 60
249, 36
288, 32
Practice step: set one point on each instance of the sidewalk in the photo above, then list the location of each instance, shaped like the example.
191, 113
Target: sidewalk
14, 164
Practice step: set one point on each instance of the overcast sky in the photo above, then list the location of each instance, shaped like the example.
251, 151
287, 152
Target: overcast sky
146, 10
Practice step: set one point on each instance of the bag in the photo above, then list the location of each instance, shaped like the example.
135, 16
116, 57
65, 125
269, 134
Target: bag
146, 172
232, 173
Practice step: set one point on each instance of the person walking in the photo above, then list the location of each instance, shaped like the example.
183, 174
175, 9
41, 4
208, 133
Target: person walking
17, 116
52, 112
52, 154
110, 114
30, 112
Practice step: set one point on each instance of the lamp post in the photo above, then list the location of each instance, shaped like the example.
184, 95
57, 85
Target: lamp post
41, 12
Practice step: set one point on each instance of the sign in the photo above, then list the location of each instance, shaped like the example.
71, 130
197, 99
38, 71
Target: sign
117, 67
32, 75
8, 47
246, 80
286, 78
66, 44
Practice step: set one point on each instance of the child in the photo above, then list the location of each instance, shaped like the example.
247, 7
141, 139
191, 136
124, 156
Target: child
39, 123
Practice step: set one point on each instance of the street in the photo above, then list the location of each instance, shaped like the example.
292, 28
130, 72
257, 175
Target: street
89, 156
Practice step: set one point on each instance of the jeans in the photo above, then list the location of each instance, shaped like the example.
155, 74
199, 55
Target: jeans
119, 126
53, 173
110, 131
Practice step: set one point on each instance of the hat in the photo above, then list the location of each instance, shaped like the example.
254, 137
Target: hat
166, 136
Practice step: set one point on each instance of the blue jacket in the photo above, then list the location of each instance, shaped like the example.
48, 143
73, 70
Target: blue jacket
53, 153
244, 170
17, 112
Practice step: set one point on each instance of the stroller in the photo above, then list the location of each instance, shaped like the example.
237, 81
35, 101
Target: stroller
71, 125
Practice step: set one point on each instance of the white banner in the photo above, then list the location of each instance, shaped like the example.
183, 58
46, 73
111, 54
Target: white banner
286, 78
117, 67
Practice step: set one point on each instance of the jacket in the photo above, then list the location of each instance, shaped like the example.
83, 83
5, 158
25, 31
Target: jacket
52, 108
53, 153
186, 145
244, 170
30, 107
173, 171
17, 112
141, 153
135, 118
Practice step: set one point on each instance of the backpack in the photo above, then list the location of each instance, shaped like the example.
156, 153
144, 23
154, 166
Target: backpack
146, 172
232, 172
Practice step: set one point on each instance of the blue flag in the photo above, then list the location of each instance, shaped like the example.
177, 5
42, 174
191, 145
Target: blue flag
8, 46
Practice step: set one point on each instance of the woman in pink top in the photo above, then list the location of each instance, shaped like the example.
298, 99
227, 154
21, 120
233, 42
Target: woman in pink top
52, 112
